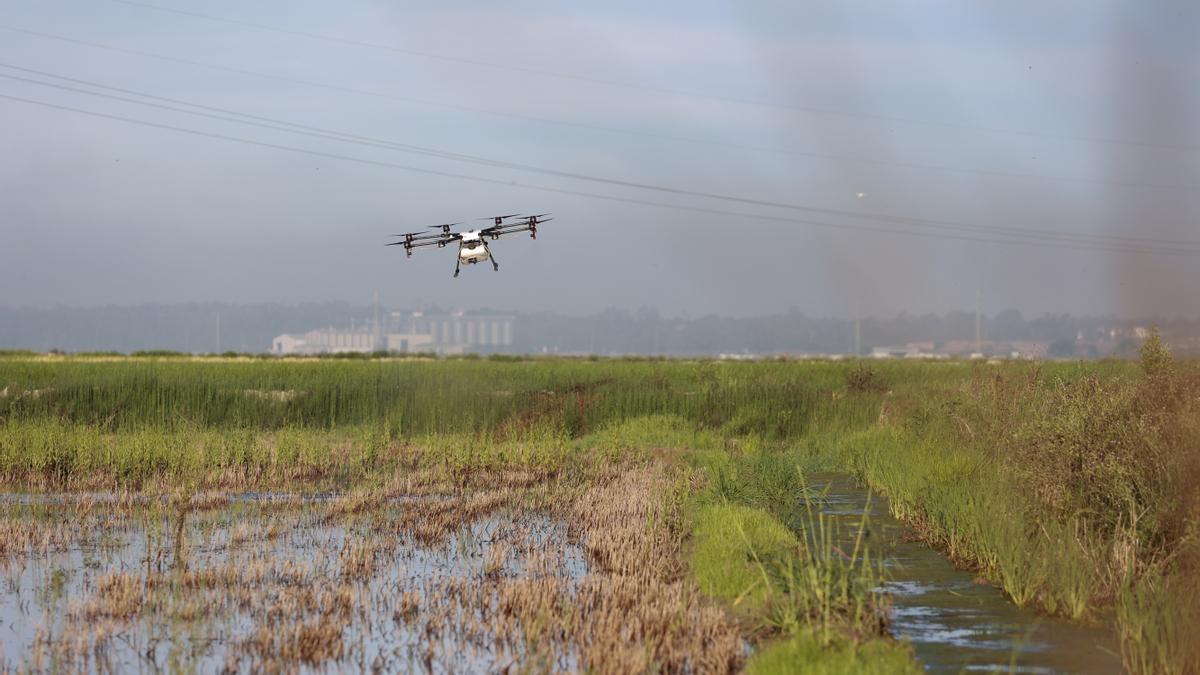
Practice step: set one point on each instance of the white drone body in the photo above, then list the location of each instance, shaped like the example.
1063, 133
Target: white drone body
472, 248
472, 244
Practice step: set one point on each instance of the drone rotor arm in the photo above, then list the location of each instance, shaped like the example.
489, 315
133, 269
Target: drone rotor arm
508, 229
412, 238
439, 240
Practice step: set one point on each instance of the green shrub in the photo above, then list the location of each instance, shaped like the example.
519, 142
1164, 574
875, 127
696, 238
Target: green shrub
1156, 355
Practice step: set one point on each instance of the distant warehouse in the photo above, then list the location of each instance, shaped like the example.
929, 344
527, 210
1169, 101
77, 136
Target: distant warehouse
454, 333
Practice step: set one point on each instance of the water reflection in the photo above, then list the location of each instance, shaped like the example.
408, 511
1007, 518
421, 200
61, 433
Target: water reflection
953, 622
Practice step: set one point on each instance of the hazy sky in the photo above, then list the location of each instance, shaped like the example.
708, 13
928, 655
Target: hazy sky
1070, 116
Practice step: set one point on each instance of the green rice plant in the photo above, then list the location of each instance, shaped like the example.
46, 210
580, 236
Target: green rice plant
1156, 617
1072, 582
762, 545
806, 652
544, 448
635, 438
832, 589
732, 542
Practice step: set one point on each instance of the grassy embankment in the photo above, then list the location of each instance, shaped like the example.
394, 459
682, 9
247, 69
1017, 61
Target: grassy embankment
1075, 487
1066, 484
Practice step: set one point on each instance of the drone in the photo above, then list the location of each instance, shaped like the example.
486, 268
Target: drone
472, 244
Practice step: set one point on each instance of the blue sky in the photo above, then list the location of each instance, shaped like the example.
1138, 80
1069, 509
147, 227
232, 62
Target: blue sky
1079, 117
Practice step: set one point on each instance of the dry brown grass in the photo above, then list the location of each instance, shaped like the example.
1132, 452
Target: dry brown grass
311, 642
26, 537
358, 560
561, 575
119, 595
641, 611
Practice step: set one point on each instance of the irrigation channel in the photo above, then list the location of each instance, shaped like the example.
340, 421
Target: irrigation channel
954, 622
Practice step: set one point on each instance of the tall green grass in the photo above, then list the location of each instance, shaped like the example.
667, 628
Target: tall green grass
774, 400
1075, 488
763, 546
1071, 485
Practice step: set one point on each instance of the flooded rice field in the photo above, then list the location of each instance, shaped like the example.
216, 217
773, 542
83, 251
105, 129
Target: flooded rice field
421, 578
388, 580
955, 622
260, 583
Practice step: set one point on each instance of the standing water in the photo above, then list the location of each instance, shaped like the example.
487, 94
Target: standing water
954, 623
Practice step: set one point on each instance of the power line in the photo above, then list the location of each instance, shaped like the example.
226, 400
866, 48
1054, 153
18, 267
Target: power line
645, 87
870, 161
317, 132
1015, 241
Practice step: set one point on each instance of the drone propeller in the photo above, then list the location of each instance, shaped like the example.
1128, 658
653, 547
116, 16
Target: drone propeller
419, 237
532, 221
444, 227
499, 220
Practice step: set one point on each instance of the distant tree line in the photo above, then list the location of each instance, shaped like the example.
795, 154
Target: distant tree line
645, 331
251, 328
197, 328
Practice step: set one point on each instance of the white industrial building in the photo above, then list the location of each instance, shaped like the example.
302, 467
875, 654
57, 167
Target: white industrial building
454, 333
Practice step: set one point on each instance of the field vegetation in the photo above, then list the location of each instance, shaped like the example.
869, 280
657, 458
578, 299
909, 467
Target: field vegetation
1072, 486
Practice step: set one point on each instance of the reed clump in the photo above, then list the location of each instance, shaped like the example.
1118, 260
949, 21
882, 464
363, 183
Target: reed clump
1071, 486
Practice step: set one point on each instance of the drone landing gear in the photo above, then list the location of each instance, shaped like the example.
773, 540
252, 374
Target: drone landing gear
495, 265
457, 265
